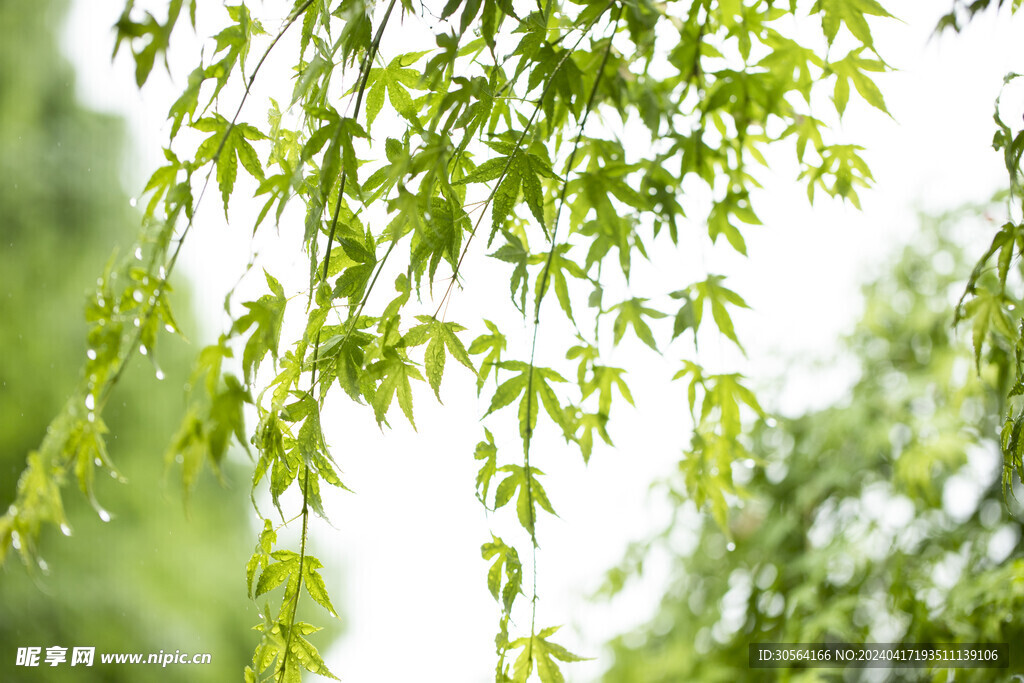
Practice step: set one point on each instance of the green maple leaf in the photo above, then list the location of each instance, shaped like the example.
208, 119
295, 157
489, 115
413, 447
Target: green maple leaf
267, 314
718, 297
439, 336
488, 452
493, 345
514, 171
542, 394
505, 558
285, 567
850, 69
631, 314
560, 264
604, 378
539, 652
531, 494
852, 13
395, 79
987, 310
394, 374
227, 146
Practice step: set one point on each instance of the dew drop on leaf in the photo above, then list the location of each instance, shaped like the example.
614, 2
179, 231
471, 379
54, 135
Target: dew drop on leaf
91, 354
137, 295
160, 374
138, 253
104, 515
16, 540
169, 328
90, 402
92, 416
43, 567
136, 322
143, 350
731, 546
65, 529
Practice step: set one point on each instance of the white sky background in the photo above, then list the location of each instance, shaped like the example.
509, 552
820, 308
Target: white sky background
403, 563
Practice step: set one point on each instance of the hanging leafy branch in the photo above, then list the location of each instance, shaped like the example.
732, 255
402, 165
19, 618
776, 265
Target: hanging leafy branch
991, 301
654, 98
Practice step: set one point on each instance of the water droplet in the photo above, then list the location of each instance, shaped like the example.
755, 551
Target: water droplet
16, 540
143, 350
137, 323
12, 510
90, 402
65, 529
160, 374
169, 328
104, 515
179, 458
137, 295
162, 273
91, 354
91, 416
731, 546
133, 202
138, 253
97, 461
45, 568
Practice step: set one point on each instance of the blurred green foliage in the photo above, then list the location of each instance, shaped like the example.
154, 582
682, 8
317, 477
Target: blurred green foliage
878, 519
157, 577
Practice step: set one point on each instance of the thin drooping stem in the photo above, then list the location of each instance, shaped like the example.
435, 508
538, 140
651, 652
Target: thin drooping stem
172, 261
511, 157
539, 298
364, 78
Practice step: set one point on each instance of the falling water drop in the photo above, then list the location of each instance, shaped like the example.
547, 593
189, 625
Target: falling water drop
133, 202
136, 322
138, 253
92, 416
160, 374
65, 529
90, 402
104, 515
169, 328
731, 546
143, 350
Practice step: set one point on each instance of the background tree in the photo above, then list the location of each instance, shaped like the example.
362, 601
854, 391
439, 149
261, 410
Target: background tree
153, 579
879, 519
